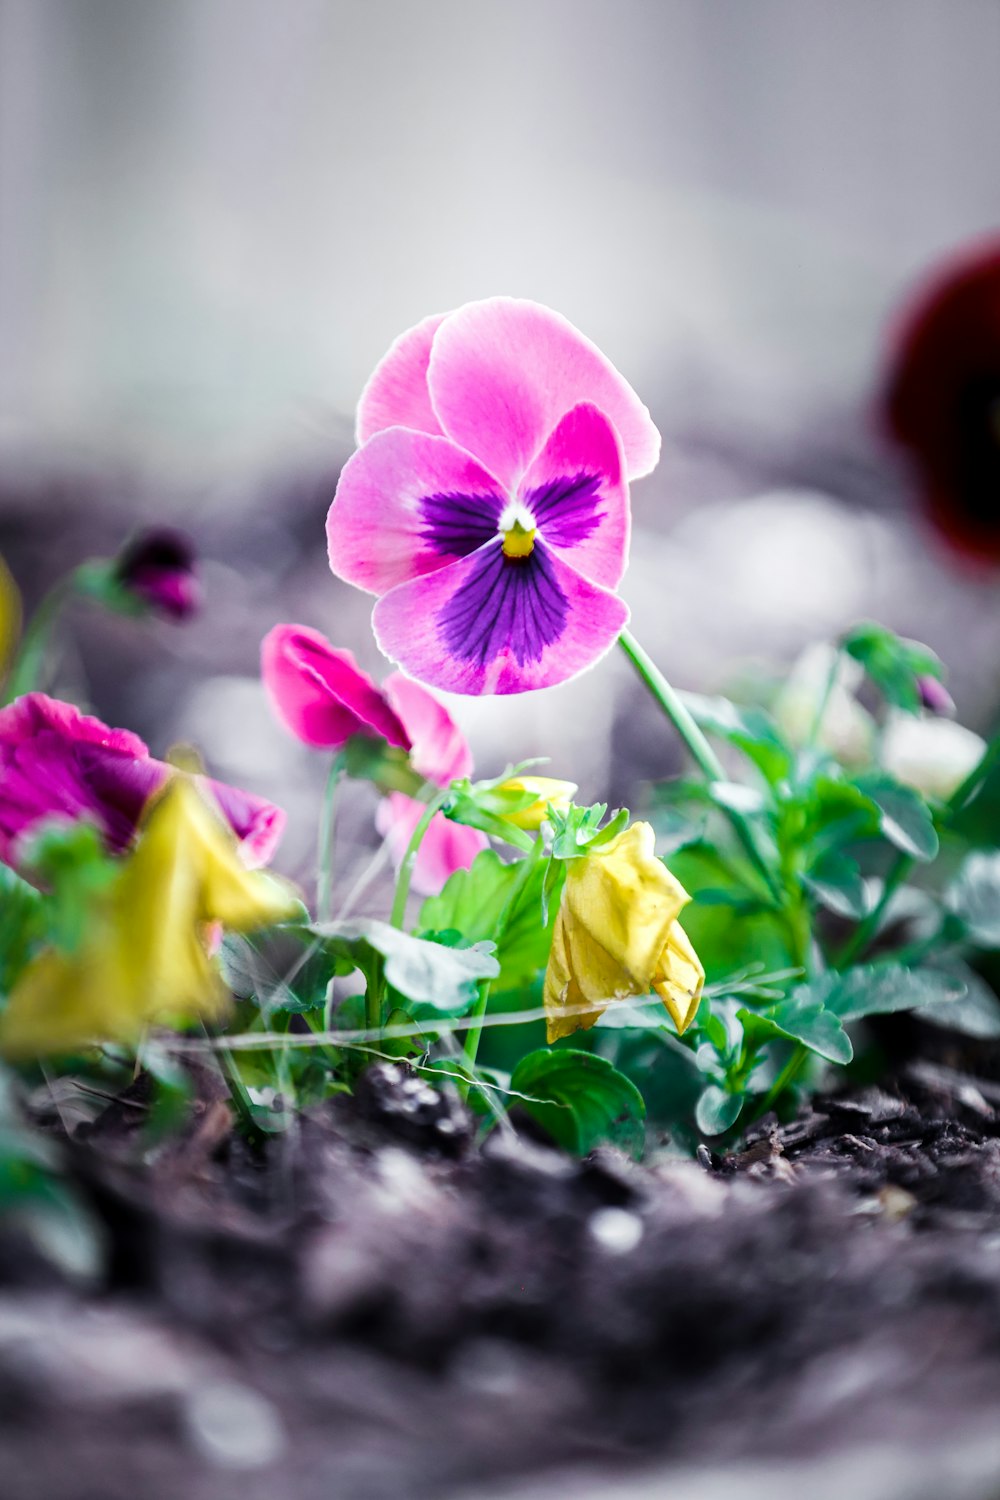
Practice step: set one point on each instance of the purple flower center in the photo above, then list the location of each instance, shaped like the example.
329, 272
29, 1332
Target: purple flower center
507, 604
511, 600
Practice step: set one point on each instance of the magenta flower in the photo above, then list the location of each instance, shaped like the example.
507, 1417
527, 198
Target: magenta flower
321, 694
157, 570
56, 762
488, 504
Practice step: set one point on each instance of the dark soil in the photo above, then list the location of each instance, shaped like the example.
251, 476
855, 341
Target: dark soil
372, 1307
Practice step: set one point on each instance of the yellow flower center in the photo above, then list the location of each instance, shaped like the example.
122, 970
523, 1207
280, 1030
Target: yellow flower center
518, 541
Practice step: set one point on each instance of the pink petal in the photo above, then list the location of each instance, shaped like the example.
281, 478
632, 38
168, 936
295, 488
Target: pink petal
439, 750
396, 394
486, 624
446, 846
408, 503
321, 694
504, 372
257, 824
577, 492
33, 713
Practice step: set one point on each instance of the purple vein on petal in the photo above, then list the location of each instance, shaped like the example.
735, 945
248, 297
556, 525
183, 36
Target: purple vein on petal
455, 525
568, 508
507, 604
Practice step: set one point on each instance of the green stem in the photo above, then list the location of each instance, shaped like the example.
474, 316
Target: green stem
405, 875
324, 851
793, 1067
37, 637
698, 747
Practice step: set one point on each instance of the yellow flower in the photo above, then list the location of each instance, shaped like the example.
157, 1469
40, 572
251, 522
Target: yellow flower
10, 617
545, 790
617, 935
144, 957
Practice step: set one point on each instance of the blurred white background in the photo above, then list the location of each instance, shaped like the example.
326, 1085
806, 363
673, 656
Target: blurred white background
215, 215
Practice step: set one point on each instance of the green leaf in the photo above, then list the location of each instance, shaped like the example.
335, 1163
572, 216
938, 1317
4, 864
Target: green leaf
801, 1019
974, 897
879, 989
69, 860
22, 925
474, 902
893, 664
580, 1099
486, 805
749, 729
427, 973
717, 1110
904, 816
580, 829
836, 882
976, 1013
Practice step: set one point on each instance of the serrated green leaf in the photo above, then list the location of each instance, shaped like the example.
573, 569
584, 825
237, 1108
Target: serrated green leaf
976, 1013
717, 1110
879, 989
580, 1099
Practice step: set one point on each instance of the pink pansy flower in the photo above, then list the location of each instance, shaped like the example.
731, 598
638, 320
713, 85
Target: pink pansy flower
56, 762
324, 698
488, 503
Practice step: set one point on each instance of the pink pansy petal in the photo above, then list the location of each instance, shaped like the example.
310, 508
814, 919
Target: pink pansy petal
256, 823
503, 372
321, 694
27, 717
489, 624
396, 394
406, 504
446, 846
439, 750
577, 492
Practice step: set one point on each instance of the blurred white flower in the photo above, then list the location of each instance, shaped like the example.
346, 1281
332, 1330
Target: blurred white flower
846, 730
932, 755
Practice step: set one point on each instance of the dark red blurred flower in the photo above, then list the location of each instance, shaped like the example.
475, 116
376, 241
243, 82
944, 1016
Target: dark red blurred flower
942, 397
157, 568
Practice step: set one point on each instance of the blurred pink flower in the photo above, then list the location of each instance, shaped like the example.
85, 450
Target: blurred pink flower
488, 505
56, 762
321, 694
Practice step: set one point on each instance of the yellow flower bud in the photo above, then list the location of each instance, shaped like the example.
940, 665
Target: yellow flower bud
144, 955
617, 936
546, 790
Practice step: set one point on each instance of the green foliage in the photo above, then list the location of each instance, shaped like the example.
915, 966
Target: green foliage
974, 898
427, 973
581, 829
498, 902
580, 1099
